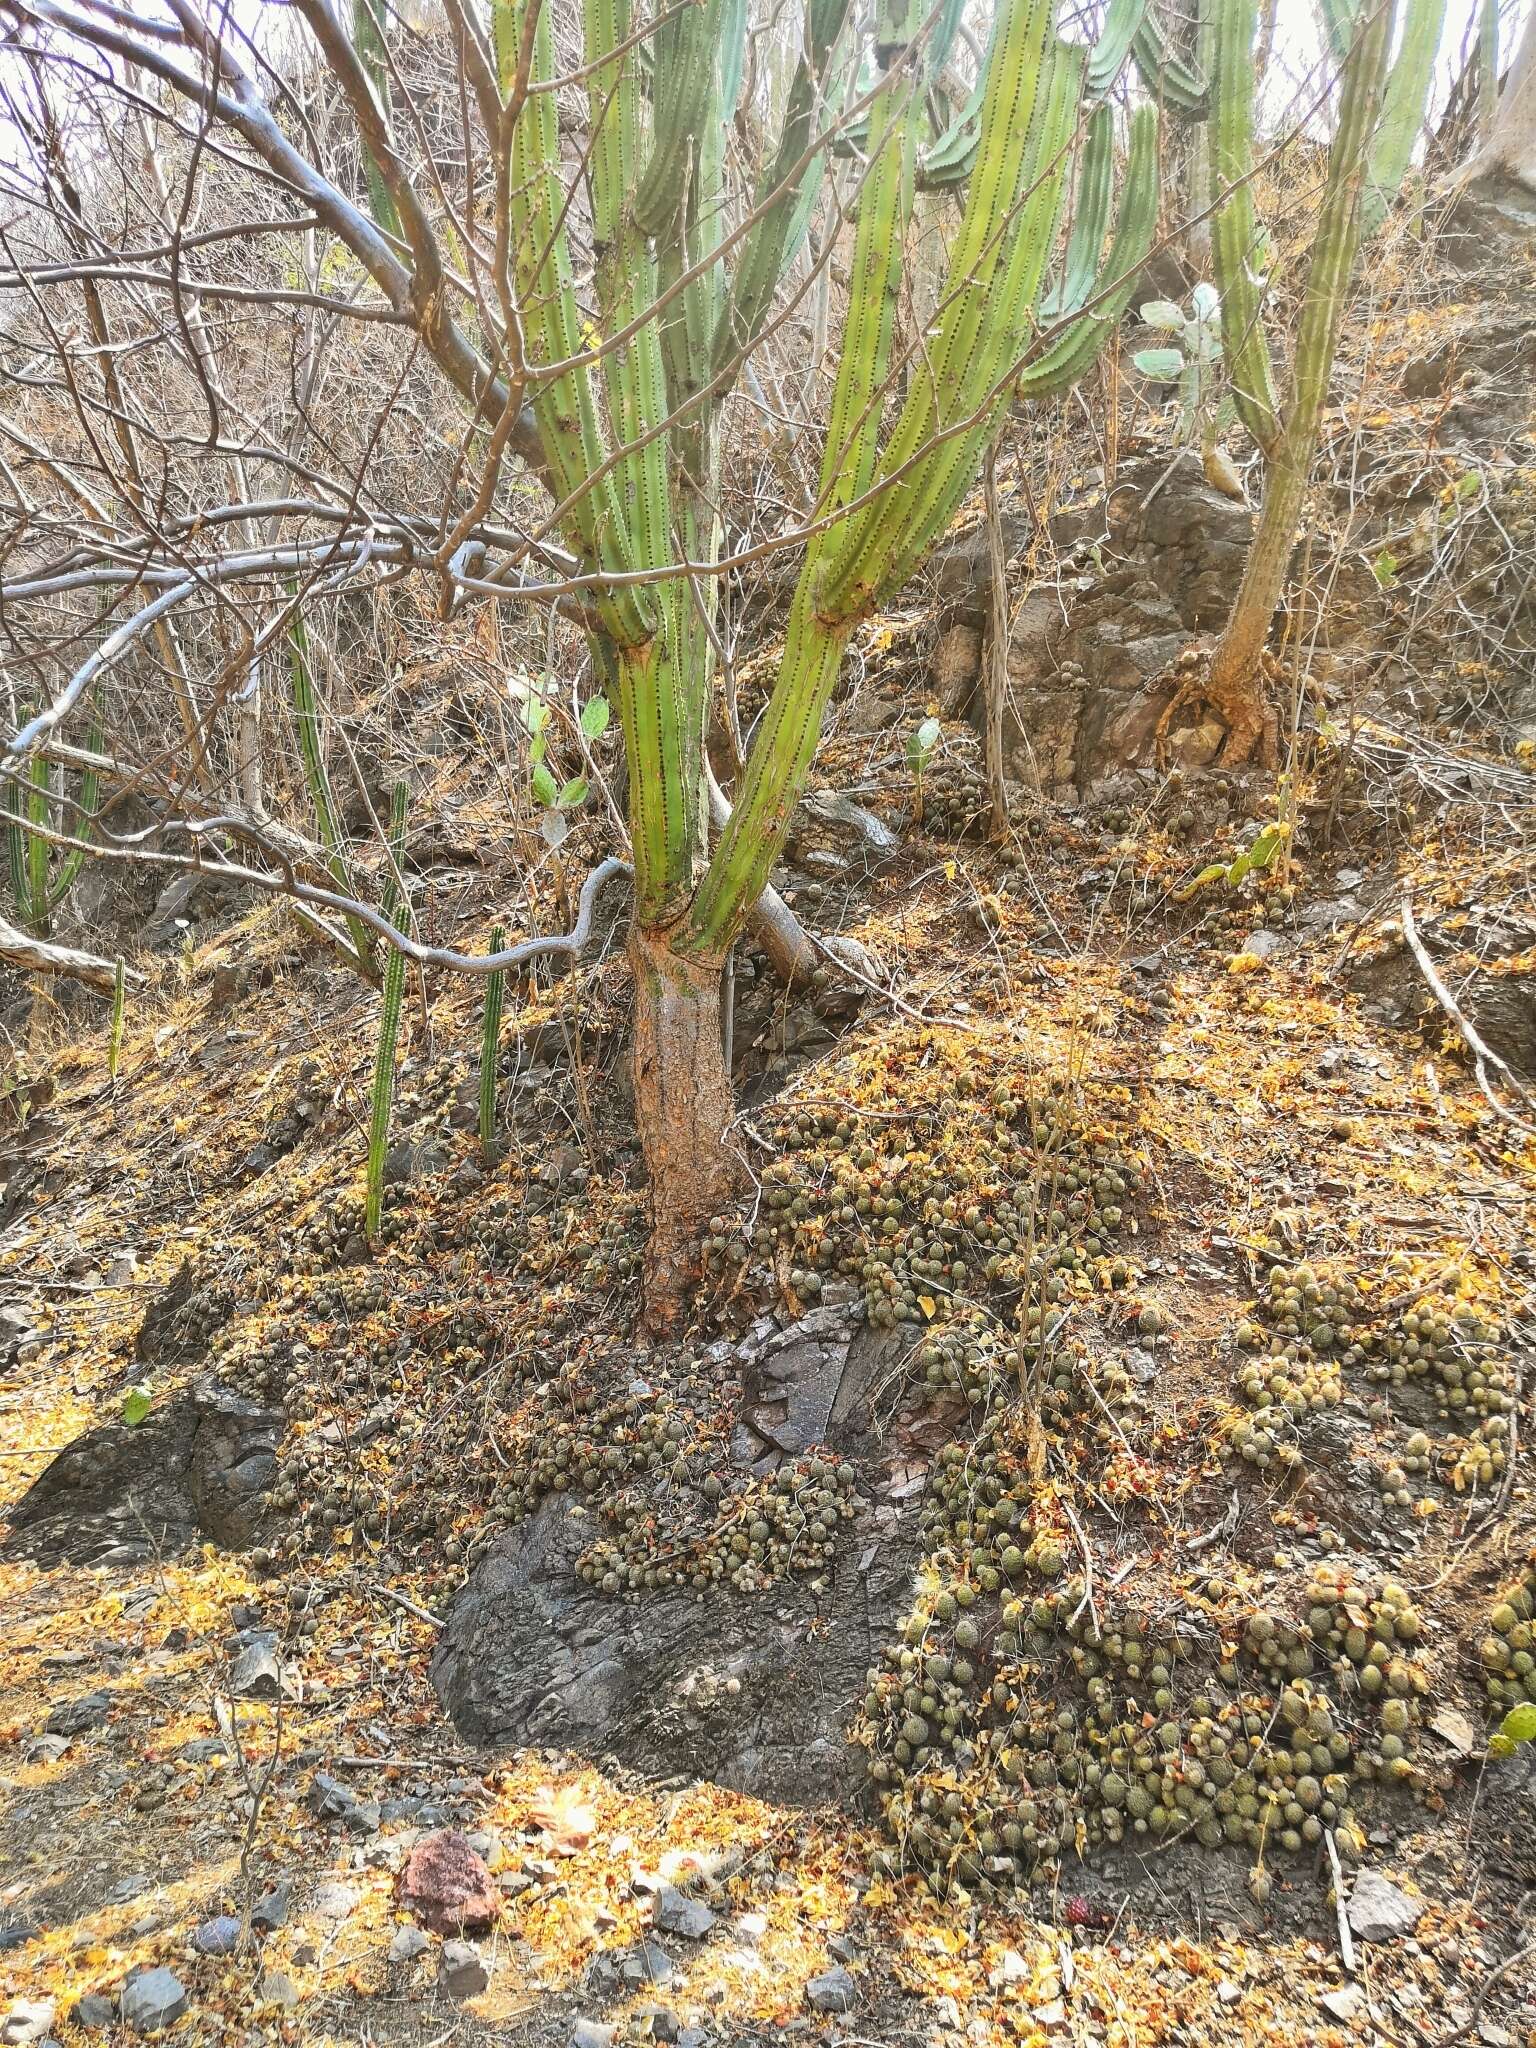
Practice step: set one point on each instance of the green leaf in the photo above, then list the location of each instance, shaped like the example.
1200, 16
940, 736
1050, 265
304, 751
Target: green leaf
1164, 364
544, 788
573, 793
1520, 1724
137, 1403
1384, 568
595, 714
923, 742
1265, 847
1206, 301
1163, 313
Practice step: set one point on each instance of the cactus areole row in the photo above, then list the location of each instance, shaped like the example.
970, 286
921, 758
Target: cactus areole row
629, 444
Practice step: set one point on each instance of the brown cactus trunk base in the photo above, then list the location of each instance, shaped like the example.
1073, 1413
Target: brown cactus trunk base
683, 1111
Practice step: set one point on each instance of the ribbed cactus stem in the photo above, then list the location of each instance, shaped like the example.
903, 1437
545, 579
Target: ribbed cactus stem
382, 1097
1090, 218
368, 41
983, 329
311, 737
1402, 110
1235, 228
490, 1044
685, 60
1233, 683
1073, 353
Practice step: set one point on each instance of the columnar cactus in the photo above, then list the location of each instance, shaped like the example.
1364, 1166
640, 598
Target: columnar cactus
629, 439
1365, 145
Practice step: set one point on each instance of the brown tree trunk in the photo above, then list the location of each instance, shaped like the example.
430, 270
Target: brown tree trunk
1235, 687
682, 1111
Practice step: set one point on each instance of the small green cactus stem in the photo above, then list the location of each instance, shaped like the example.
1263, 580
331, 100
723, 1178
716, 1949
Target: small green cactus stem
1402, 110
684, 71
1090, 218
986, 315
382, 1099
564, 404
1122, 18
983, 328
311, 737
27, 851
1074, 352
764, 251
115, 1030
90, 791
368, 41
884, 210
1234, 229
490, 1042
1338, 23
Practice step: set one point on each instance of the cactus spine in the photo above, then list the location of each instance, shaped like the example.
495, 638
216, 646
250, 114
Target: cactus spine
383, 1096
490, 1041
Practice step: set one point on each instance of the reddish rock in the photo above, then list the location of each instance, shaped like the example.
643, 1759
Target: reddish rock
447, 1886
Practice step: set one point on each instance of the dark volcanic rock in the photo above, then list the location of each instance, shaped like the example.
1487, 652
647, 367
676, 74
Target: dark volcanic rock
752, 1690
191, 1470
448, 1887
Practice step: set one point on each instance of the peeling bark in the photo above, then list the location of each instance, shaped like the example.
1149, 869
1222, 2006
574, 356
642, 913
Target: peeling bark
682, 1111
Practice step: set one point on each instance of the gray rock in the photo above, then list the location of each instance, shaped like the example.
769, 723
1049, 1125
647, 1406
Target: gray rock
408, 1943
833, 1991
758, 1698
660, 2021
332, 1800
217, 1937
676, 1913
17, 1935
649, 1964
461, 1970
1345, 2004
28, 2020
276, 1987
334, 1901
1378, 1910
155, 1999
587, 2033
271, 1910
77, 1717
203, 1748
1261, 944
94, 2012
258, 1673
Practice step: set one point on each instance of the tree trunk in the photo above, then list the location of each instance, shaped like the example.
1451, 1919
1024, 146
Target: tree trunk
1235, 687
682, 1111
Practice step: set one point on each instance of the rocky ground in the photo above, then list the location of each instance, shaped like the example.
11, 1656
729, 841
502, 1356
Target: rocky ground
1062, 1588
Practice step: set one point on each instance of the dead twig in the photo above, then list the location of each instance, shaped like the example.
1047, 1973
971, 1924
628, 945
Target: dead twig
1483, 1056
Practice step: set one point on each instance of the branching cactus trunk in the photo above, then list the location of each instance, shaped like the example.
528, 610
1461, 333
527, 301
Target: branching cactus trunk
1287, 431
630, 444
